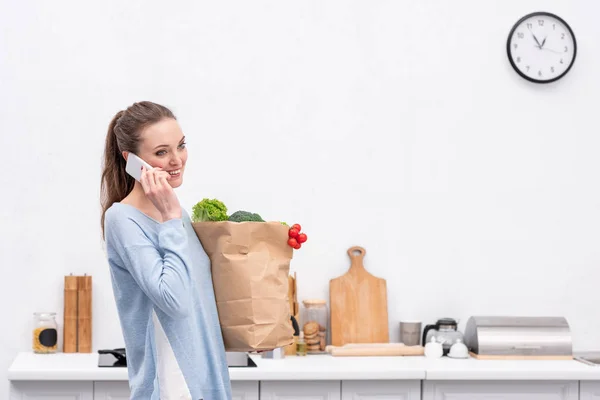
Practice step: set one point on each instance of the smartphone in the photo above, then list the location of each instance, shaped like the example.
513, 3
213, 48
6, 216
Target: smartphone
134, 166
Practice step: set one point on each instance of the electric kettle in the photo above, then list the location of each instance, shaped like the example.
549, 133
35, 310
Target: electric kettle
445, 331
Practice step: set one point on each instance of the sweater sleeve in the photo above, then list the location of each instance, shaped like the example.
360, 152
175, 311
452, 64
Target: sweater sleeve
166, 280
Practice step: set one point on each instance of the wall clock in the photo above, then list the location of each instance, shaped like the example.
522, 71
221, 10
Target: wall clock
541, 47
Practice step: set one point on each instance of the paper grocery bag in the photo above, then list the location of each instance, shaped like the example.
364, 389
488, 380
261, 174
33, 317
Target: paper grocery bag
250, 269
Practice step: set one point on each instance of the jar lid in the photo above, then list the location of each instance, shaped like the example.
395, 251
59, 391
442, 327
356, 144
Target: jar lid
44, 314
314, 302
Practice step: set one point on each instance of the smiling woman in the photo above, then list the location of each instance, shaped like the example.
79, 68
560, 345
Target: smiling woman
130, 131
170, 154
160, 272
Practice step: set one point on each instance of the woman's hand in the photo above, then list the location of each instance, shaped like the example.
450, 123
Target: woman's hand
156, 186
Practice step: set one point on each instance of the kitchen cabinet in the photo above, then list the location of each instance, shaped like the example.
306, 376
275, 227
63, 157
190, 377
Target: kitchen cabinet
501, 390
111, 390
381, 390
341, 390
244, 390
52, 390
589, 390
333, 390
300, 390
119, 390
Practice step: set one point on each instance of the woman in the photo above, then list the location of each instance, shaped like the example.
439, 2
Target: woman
160, 273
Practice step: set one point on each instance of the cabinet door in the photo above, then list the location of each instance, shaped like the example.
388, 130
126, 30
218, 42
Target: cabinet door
244, 390
119, 390
300, 390
501, 390
589, 390
51, 390
111, 390
381, 390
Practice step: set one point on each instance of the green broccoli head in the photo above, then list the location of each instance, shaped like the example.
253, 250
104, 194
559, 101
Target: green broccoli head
242, 216
209, 210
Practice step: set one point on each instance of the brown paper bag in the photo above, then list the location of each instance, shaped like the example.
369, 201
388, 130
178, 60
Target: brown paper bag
250, 263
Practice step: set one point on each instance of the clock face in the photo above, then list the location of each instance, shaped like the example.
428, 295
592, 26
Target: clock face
541, 47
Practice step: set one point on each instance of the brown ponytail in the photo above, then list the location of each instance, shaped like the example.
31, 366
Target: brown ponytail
124, 135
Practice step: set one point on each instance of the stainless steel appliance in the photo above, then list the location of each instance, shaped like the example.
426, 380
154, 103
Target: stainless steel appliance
117, 358
506, 337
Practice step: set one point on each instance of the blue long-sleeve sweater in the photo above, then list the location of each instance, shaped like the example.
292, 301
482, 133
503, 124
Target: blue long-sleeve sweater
162, 284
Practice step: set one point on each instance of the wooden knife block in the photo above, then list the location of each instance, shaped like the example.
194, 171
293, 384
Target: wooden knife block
77, 326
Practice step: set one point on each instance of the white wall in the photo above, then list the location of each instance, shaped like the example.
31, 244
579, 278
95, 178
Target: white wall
395, 125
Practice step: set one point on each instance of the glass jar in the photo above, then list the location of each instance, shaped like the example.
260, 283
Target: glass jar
45, 332
314, 325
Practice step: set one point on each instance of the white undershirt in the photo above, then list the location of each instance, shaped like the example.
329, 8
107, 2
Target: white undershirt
170, 378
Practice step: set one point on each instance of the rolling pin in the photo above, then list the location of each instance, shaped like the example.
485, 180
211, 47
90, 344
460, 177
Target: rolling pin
328, 348
377, 351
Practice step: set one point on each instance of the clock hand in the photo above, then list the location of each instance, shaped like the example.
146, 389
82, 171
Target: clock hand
539, 45
554, 51
544, 41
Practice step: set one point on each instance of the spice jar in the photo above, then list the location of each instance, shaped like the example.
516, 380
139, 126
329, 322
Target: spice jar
45, 332
314, 325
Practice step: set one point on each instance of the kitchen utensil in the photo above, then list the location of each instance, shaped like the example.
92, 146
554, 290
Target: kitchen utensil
446, 332
376, 351
364, 345
84, 313
410, 332
290, 349
70, 314
358, 304
516, 338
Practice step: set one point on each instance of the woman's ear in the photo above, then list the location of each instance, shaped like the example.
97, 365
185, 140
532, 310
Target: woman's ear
125, 153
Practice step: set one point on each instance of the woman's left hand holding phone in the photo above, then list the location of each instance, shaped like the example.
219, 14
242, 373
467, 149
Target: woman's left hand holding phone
157, 188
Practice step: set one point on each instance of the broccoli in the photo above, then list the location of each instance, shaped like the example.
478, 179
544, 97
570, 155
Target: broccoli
209, 210
241, 216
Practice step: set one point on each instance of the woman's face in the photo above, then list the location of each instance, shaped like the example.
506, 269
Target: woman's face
163, 145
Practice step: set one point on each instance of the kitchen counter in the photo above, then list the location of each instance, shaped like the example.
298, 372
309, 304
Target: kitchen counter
83, 367
472, 369
76, 367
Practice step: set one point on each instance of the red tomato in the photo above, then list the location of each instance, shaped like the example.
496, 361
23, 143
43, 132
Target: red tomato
297, 227
302, 238
293, 242
293, 233
297, 246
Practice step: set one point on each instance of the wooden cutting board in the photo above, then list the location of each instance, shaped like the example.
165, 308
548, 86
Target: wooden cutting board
358, 304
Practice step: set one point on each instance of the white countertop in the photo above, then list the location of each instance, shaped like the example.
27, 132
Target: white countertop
61, 366
472, 369
74, 366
